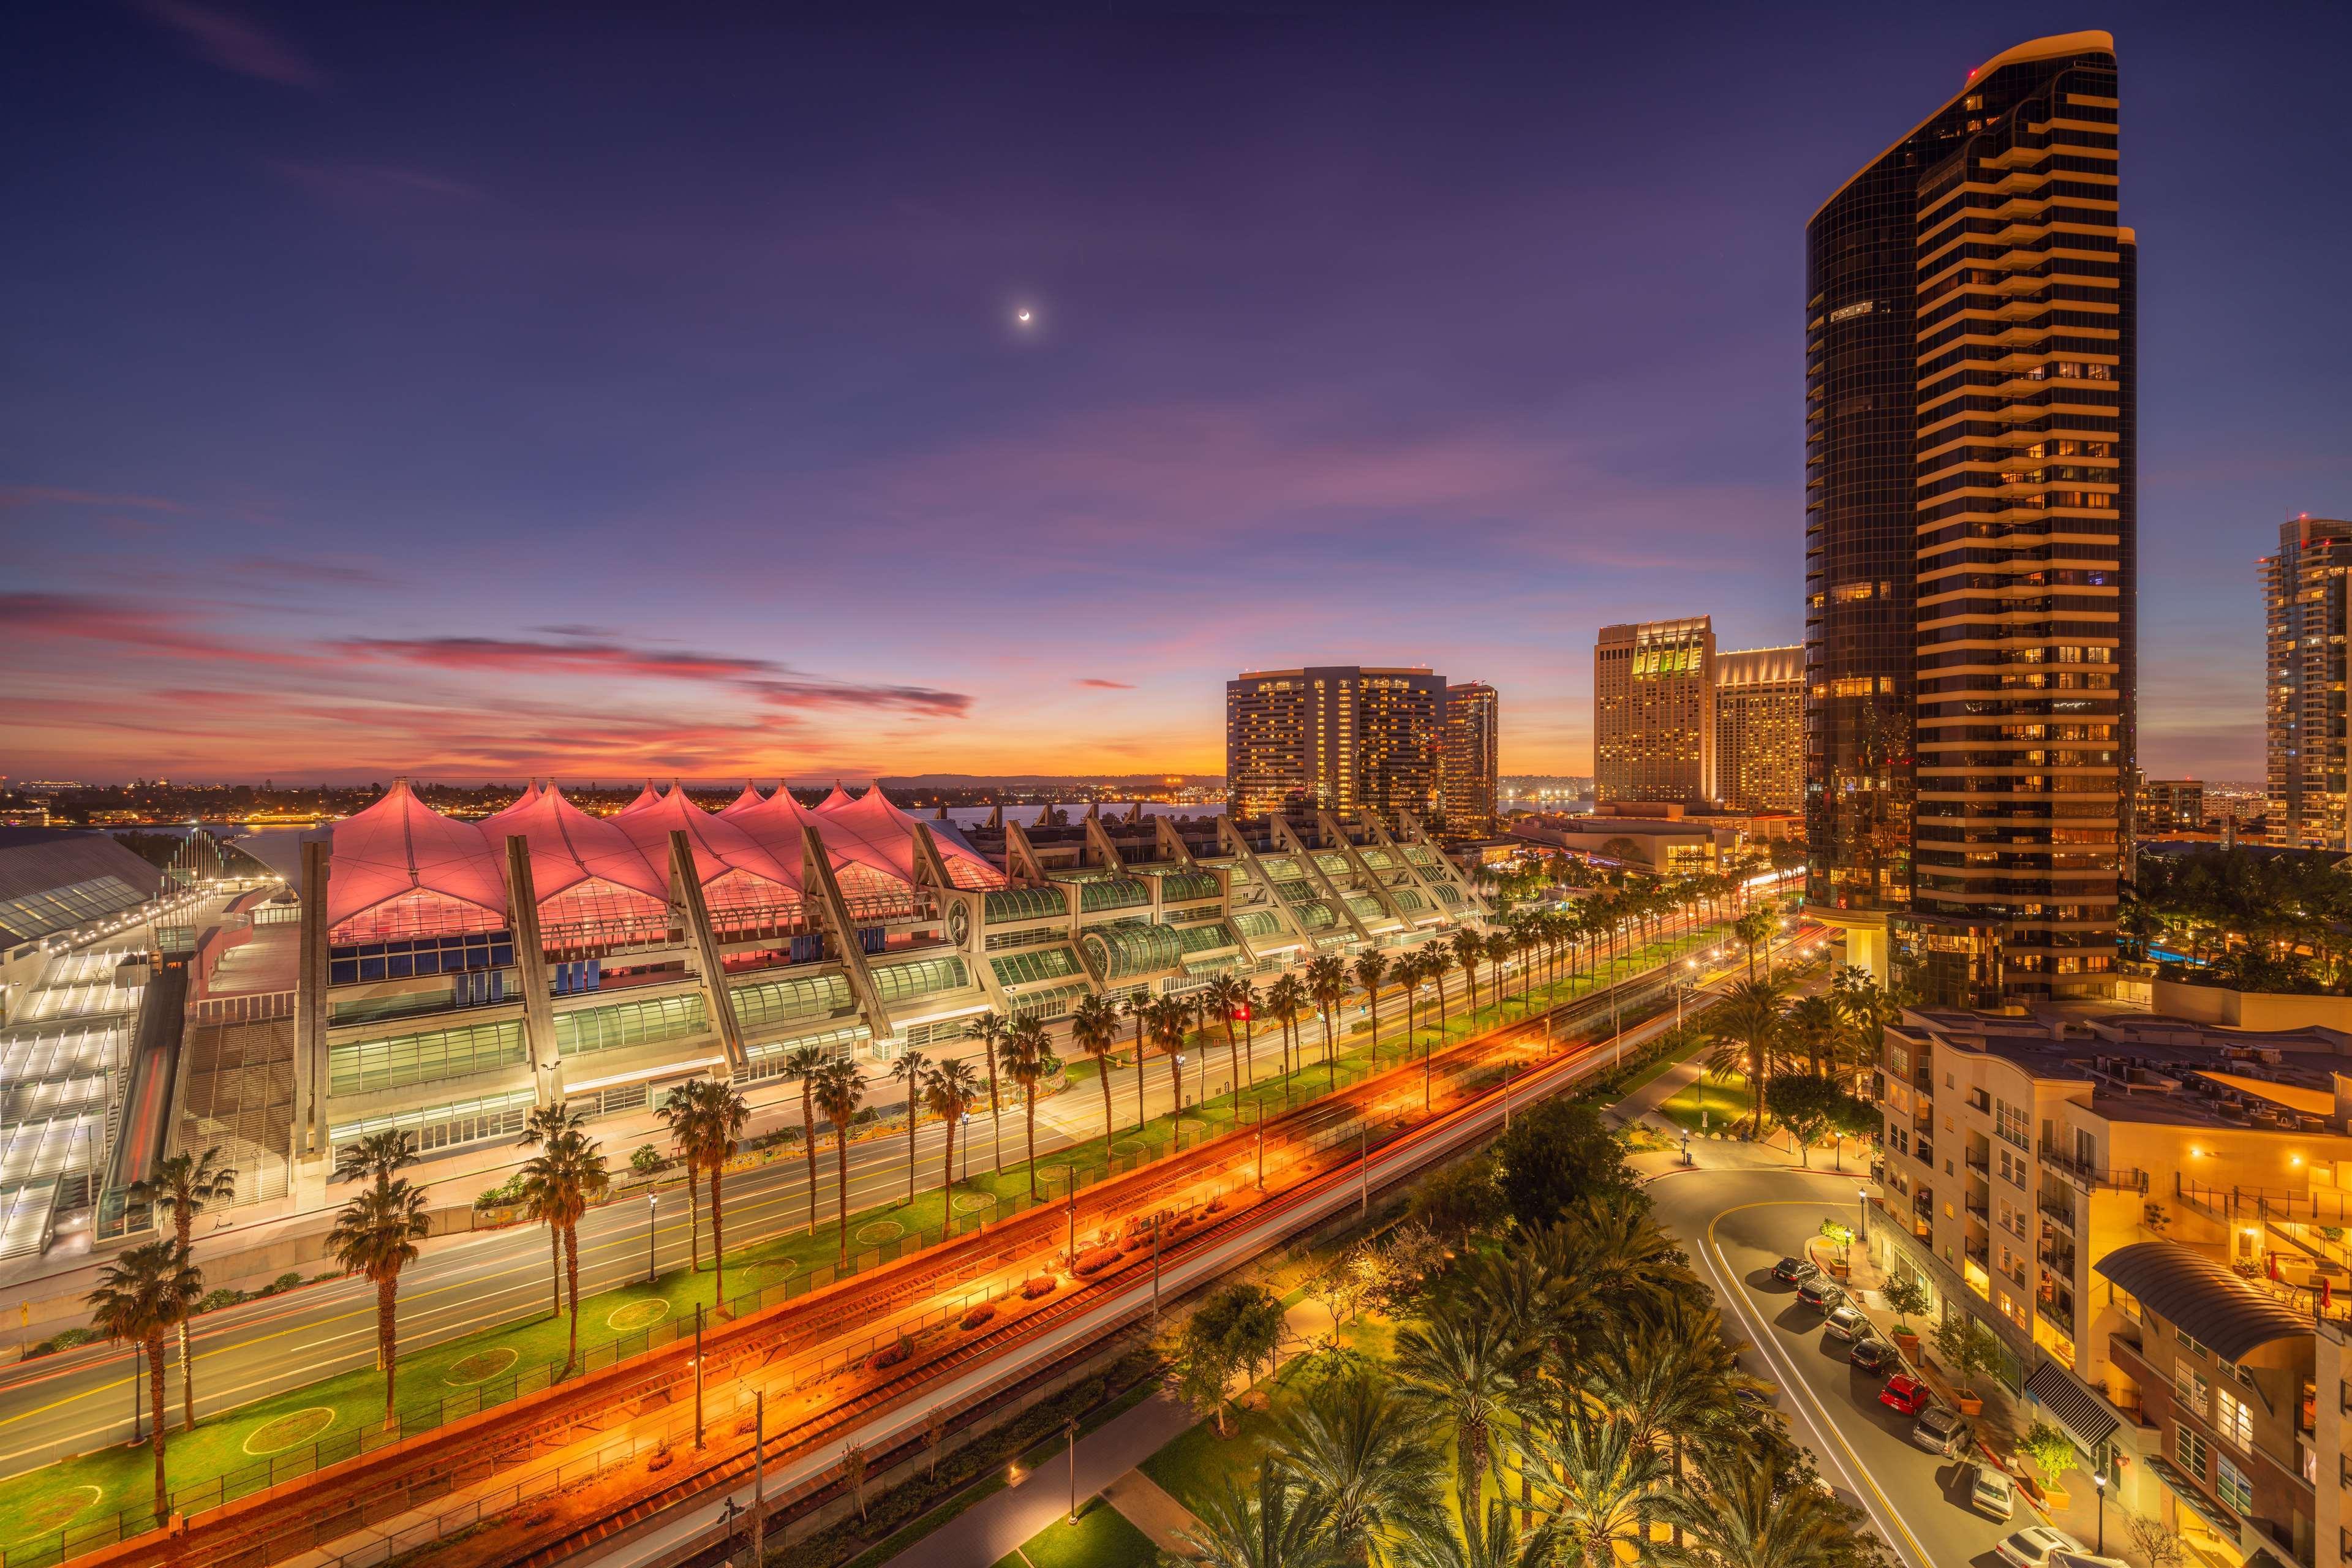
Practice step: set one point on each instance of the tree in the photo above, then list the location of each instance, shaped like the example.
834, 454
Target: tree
907, 1070
375, 1235
1094, 1030
1364, 1462
1266, 1523
1286, 999
1462, 1543
688, 1131
1746, 1026
853, 1474
2050, 1451
1237, 1329
543, 1123
143, 1296
840, 1091
1465, 1371
1755, 928
182, 1187
378, 1157
1807, 1105
1137, 1006
949, 1092
1030, 1061
559, 1182
1327, 981
1224, 996
1749, 1516
1460, 1200
1245, 998
1813, 1024
1966, 1347
1500, 945
1469, 952
1371, 972
802, 1066
1168, 1020
1558, 1153
1606, 1478
1907, 1299
2159, 1542
1851, 1117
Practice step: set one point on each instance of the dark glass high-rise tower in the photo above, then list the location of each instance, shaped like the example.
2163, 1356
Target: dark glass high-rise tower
1968, 535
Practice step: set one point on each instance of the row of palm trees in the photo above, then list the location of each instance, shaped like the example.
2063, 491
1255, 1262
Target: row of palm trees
1760, 1028
1579, 1382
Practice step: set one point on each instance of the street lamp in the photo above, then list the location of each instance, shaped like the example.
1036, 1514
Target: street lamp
2099, 1485
1862, 1201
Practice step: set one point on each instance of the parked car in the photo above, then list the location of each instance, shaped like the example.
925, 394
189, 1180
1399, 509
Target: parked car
1940, 1430
1795, 1270
1992, 1493
1871, 1354
2031, 1547
1905, 1394
1846, 1321
1820, 1293
1760, 1394
2084, 1559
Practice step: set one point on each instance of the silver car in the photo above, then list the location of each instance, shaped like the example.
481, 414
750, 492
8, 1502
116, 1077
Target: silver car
1940, 1430
1992, 1493
1846, 1321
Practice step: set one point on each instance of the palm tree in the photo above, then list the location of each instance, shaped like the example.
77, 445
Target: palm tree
1676, 1377
142, 1295
1604, 1477
1137, 1006
1462, 1368
689, 1134
1286, 999
1224, 994
949, 1092
1747, 1023
1327, 981
1622, 1251
1814, 1023
376, 1234
1498, 945
1755, 928
1746, 1516
542, 1124
1167, 1021
724, 1112
908, 1071
1364, 1462
183, 1186
559, 1183
1094, 1030
378, 1157
803, 1065
1372, 970
1260, 1525
1245, 1001
1029, 1061
840, 1091
991, 1028
1469, 951
1460, 1543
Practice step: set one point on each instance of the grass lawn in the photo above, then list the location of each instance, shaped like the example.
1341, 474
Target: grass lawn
1724, 1099
1657, 1069
81, 1490
1101, 1539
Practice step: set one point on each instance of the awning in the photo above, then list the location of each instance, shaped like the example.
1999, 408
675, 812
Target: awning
2083, 1413
2223, 1522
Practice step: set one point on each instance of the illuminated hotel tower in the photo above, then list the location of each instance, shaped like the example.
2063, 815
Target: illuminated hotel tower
1970, 334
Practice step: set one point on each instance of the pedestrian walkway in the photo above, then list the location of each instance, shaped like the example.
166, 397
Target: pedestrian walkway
1153, 1512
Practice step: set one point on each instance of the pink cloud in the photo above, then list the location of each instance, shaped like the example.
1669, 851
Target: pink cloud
1095, 683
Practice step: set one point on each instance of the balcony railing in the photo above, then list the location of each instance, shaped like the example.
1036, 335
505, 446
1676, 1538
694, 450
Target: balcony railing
2093, 1178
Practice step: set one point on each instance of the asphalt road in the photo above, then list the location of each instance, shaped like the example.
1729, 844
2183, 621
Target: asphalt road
78, 1400
1737, 1222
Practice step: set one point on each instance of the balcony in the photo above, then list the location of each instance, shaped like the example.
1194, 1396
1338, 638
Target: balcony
2093, 1178
1979, 1166
2057, 1211
1976, 1211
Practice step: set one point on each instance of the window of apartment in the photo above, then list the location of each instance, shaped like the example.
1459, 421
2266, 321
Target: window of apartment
2190, 1343
2233, 1420
2192, 1387
2191, 1450
2230, 1484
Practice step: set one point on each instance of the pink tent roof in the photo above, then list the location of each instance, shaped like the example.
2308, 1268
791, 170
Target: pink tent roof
568, 846
835, 801
719, 845
399, 844
646, 797
521, 805
775, 822
886, 831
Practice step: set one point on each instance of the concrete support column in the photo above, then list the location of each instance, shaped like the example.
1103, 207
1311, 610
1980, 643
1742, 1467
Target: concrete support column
531, 965
686, 893
309, 1134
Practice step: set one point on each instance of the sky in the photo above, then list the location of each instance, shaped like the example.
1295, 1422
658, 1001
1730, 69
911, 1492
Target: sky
475, 391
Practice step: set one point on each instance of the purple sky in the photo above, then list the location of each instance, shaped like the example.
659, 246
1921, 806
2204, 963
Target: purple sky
473, 393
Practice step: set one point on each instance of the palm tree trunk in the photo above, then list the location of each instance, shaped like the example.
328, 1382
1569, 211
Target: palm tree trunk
1233, 1053
1374, 994
912, 1104
1249, 1050
187, 1374
1107, 1128
1142, 1120
694, 1209
947, 1172
841, 1174
808, 1138
572, 1272
1330, 1060
155, 1438
555, 1267
717, 1247
386, 1337
1029, 1119
1176, 1082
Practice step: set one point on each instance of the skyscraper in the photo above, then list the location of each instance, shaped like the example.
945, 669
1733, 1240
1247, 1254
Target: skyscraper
1473, 756
1969, 333
1653, 713
1338, 737
2303, 588
1759, 728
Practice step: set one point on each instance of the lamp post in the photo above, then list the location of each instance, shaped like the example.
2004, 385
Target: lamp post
759, 1477
2099, 1485
697, 1374
1070, 1446
653, 1204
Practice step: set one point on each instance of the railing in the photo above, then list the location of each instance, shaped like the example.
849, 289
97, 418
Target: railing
2092, 1177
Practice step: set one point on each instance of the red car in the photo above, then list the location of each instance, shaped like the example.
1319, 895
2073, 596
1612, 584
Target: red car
1906, 1394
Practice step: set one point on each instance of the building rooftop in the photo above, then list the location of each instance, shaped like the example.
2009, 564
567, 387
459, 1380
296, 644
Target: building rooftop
2198, 1293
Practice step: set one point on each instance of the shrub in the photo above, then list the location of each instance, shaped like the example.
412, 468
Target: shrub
330, 1274
891, 1355
647, 1161
983, 1313
226, 1295
1042, 1286
506, 1191
287, 1280
1216, 1205
64, 1340
1096, 1262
